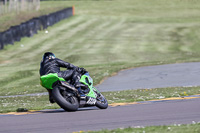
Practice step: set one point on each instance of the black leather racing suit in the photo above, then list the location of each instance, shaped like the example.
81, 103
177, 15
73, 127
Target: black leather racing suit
53, 66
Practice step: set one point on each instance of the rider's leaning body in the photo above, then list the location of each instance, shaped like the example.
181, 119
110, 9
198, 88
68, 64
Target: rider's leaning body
51, 64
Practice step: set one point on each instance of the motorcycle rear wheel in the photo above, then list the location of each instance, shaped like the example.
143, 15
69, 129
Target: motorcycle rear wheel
64, 99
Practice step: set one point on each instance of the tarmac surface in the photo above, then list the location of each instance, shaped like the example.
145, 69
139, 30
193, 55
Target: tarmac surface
146, 114
171, 75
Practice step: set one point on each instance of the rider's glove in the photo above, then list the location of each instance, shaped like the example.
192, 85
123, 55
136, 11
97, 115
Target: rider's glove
82, 70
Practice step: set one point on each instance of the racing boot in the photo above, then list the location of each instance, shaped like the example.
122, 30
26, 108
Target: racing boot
82, 88
51, 100
78, 84
76, 78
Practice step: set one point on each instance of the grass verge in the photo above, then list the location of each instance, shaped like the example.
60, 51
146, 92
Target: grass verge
41, 102
176, 128
149, 94
28, 102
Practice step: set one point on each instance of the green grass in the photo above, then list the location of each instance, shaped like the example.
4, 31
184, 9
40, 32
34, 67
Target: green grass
42, 102
28, 102
149, 94
176, 128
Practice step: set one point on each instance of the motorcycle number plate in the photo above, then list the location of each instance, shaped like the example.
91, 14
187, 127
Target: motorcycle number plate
91, 101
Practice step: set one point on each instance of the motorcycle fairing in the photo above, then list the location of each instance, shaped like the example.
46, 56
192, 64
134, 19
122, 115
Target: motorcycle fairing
47, 82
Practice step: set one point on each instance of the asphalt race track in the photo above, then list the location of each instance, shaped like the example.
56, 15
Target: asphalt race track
171, 75
167, 112
156, 113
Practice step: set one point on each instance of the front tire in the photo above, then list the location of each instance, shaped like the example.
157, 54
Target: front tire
101, 101
64, 99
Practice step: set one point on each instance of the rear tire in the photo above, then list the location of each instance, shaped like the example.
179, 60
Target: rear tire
68, 103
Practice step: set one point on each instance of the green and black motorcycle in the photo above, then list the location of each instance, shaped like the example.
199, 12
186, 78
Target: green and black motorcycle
68, 97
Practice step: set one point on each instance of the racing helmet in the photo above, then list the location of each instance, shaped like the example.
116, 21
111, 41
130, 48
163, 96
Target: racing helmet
48, 55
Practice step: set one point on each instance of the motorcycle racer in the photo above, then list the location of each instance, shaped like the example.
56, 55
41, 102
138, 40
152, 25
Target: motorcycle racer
51, 64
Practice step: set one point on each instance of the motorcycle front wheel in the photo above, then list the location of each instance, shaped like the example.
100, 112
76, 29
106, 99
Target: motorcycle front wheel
64, 99
101, 101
